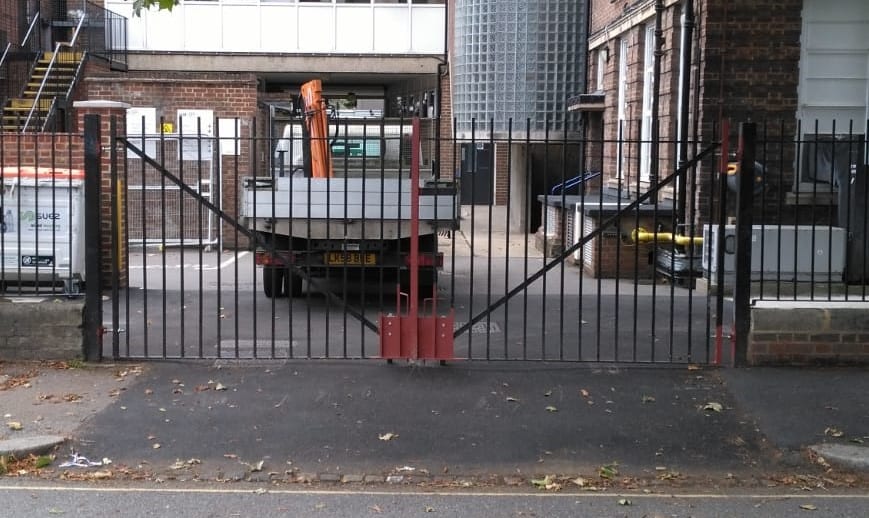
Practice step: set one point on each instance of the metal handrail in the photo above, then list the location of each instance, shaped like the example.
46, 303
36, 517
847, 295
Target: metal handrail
5, 52
51, 63
30, 29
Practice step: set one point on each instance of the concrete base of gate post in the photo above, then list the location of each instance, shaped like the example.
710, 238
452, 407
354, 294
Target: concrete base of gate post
44, 328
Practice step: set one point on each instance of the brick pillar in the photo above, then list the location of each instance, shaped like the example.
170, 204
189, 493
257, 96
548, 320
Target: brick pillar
108, 110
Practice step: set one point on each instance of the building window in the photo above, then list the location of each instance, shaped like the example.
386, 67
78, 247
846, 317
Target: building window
832, 92
831, 159
601, 68
622, 105
648, 90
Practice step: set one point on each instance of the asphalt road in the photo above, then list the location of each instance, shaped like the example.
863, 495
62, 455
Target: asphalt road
153, 500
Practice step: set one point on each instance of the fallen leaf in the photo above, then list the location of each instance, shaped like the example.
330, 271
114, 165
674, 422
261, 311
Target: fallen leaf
809, 507
100, 475
548, 482
833, 432
257, 467
388, 436
648, 399
429, 509
148, 392
201, 388
14, 426
713, 406
693, 367
320, 506
71, 398
512, 399
260, 491
583, 392
375, 509
608, 470
579, 481
547, 393
156, 446
220, 386
624, 501
551, 408
54, 510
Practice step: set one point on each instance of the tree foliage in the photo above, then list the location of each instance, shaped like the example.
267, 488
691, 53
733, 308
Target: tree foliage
138, 5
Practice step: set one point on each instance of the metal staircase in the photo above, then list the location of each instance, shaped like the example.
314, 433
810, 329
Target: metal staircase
38, 78
49, 87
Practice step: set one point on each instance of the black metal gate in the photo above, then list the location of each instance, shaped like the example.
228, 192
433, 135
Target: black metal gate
610, 275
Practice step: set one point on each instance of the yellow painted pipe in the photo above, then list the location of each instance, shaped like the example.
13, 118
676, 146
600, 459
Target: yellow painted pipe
640, 235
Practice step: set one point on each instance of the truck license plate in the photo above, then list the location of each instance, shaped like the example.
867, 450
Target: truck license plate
351, 258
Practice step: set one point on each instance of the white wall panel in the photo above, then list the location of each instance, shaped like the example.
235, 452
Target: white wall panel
202, 27
164, 30
354, 31
427, 30
242, 26
391, 29
279, 26
243, 35
316, 28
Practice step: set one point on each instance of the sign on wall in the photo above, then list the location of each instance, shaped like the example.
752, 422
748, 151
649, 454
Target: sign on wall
197, 129
143, 121
228, 136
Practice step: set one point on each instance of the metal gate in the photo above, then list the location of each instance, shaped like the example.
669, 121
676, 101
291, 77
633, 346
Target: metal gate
610, 274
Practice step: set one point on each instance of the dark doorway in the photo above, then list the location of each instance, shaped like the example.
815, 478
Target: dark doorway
476, 174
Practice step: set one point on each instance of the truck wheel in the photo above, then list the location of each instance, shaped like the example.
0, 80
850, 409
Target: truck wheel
292, 284
273, 281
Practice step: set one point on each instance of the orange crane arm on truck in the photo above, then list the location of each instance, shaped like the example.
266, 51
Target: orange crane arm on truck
317, 123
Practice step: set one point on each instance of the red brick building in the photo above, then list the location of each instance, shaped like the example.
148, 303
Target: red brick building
766, 62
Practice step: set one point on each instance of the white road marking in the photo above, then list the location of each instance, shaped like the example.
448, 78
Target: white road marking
308, 491
157, 264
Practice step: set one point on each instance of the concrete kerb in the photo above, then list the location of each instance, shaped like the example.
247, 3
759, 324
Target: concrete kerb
848, 456
21, 447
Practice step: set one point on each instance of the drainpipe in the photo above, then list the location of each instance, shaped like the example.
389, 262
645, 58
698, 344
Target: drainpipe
684, 109
656, 92
442, 70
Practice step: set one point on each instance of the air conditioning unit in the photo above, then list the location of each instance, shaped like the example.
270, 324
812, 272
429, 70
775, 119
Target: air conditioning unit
786, 252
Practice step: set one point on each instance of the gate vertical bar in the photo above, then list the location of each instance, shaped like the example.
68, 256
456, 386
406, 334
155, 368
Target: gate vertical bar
744, 220
93, 332
116, 241
719, 240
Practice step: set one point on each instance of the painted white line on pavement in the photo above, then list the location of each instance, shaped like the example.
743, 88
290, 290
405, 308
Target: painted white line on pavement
157, 265
596, 495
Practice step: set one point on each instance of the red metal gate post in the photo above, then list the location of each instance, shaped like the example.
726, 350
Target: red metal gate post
411, 336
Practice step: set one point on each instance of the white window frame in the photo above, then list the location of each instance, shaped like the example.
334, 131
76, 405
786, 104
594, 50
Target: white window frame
621, 105
601, 68
648, 91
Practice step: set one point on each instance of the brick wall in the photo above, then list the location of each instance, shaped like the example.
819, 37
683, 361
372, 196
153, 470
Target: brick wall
227, 95
502, 173
611, 256
448, 157
748, 64
808, 332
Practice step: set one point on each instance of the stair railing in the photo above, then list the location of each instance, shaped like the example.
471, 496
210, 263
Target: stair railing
30, 29
57, 49
5, 53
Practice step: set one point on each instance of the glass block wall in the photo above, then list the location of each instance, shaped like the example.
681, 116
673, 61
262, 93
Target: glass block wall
518, 59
